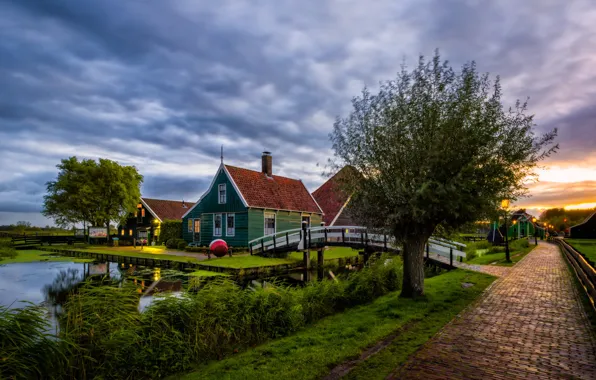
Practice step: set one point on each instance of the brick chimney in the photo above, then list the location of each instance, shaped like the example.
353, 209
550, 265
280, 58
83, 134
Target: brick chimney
267, 164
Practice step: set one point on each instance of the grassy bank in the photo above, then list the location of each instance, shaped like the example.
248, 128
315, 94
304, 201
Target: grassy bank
585, 246
103, 335
310, 353
29, 256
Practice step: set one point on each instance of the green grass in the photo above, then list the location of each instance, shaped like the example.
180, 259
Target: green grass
310, 353
585, 246
239, 262
147, 253
29, 256
205, 273
516, 251
329, 254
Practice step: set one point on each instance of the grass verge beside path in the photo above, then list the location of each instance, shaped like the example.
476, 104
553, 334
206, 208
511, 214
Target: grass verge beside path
585, 246
499, 258
312, 352
29, 256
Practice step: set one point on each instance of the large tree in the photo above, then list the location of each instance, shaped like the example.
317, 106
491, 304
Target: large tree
435, 147
92, 192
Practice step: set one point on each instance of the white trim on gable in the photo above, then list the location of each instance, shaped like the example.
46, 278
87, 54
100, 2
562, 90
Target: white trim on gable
340, 211
221, 166
150, 210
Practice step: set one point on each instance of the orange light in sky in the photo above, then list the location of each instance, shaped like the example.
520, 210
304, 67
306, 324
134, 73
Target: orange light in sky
580, 206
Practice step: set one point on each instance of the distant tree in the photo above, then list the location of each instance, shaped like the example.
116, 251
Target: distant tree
92, 192
434, 148
22, 226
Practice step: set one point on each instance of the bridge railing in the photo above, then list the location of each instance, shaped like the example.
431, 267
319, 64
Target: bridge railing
354, 236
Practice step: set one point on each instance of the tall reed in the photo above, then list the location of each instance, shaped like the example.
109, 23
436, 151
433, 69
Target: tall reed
103, 335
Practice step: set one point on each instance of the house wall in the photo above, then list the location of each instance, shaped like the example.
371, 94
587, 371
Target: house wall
209, 205
133, 224
284, 220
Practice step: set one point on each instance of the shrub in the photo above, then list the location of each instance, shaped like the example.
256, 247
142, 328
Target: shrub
484, 244
518, 245
170, 229
496, 249
470, 255
6, 249
181, 244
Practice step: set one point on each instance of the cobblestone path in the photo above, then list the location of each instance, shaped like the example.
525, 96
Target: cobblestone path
529, 324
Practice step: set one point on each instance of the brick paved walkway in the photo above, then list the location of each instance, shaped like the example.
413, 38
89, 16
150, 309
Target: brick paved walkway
529, 324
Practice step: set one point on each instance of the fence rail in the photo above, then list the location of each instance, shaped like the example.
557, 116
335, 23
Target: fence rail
584, 271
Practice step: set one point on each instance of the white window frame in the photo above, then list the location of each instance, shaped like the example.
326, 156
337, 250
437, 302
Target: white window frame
233, 230
265, 214
220, 225
194, 225
220, 187
190, 225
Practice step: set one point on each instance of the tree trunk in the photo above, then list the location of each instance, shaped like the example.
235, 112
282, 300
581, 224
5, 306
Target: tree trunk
413, 282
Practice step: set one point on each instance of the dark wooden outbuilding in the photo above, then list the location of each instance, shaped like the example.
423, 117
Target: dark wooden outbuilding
584, 230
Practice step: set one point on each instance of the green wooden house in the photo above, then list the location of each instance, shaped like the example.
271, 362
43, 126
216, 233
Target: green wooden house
241, 205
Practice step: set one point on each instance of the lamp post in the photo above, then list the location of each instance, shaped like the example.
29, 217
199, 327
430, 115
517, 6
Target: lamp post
535, 231
505, 206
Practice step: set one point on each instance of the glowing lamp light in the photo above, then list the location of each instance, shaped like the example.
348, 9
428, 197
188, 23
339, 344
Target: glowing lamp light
514, 222
533, 220
505, 203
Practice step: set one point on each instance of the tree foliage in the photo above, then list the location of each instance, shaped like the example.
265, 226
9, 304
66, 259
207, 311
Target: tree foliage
435, 147
90, 191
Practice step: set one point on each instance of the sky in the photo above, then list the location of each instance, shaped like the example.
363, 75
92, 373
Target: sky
163, 84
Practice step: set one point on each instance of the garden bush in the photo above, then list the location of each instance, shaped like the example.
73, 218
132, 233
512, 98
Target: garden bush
170, 229
181, 245
103, 335
6, 249
518, 245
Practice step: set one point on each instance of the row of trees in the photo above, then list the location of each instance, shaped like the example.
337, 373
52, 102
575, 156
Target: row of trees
562, 219
92, 192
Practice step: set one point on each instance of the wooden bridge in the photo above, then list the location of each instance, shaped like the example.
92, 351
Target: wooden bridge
316, 238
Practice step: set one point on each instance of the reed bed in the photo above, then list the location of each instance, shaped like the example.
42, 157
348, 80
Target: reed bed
104, 336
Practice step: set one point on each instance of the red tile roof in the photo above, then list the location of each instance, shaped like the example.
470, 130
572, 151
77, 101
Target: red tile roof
164, 209
276, 192
331, 197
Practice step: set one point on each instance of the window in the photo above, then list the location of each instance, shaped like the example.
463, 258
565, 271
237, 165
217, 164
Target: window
231, 225
139, 216
306, 218
269, 223
122, 232
217, 225
130, 232
222, 193
143, 212
197, 226
189, 225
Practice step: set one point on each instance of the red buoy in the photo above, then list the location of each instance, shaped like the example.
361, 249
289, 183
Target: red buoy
219, 248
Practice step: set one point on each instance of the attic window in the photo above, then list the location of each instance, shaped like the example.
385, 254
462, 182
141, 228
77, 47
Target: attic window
222, 193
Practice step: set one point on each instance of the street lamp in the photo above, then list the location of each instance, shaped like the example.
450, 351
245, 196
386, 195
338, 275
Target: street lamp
535, 231
505, 206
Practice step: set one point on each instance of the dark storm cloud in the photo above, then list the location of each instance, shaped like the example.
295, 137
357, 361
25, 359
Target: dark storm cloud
162, 85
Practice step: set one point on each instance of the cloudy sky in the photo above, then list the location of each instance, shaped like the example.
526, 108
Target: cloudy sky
163, 84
